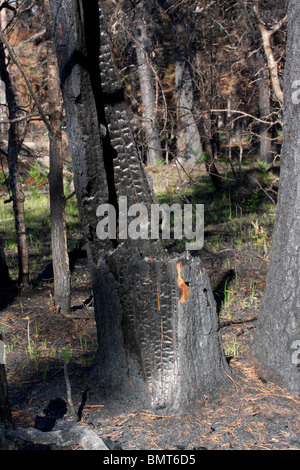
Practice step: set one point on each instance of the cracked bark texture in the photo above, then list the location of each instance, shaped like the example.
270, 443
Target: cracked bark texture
278, 329
157, 324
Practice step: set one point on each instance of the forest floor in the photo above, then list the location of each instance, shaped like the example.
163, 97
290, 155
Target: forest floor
254, 412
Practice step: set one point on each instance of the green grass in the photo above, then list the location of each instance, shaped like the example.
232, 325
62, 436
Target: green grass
238, 219
38, 229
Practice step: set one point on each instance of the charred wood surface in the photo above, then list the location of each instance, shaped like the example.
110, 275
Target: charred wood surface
157, 324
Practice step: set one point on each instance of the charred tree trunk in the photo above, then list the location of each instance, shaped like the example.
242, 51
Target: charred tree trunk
15, 183
277, 339
60, 258
158, 331
148, 96
4, 274
5, 413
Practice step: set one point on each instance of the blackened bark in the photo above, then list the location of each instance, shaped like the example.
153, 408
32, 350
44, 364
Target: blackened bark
15, 183
157, 324
277, 339
60, 258
5, 413
4, 274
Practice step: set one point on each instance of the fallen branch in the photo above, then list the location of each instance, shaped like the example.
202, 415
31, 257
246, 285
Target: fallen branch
66, 434
238, 322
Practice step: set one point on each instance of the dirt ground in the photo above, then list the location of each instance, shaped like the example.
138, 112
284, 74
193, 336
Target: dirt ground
253, 413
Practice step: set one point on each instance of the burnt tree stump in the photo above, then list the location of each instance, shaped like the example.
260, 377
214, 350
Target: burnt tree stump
164, 321
157, 323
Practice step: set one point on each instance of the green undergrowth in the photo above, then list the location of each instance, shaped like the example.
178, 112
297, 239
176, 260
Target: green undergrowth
38, 230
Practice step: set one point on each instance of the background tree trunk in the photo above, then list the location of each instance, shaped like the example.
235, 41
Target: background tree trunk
266, 35
277, 339
207, 142
157, 324
188, 139
15, 182
266, 154
148, 96
60, 258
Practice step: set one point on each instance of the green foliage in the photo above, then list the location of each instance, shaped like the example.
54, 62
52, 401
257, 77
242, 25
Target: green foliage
202, 158
3, 177
253, 201
38, 179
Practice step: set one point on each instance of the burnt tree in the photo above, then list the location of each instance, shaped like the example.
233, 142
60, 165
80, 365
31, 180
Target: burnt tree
4, 273
277, 340
158, 330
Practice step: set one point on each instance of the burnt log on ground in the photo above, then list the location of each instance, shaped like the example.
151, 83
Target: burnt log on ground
157, 323
65, 434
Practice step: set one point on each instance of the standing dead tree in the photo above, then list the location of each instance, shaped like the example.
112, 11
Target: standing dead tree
158, 330
266, 35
